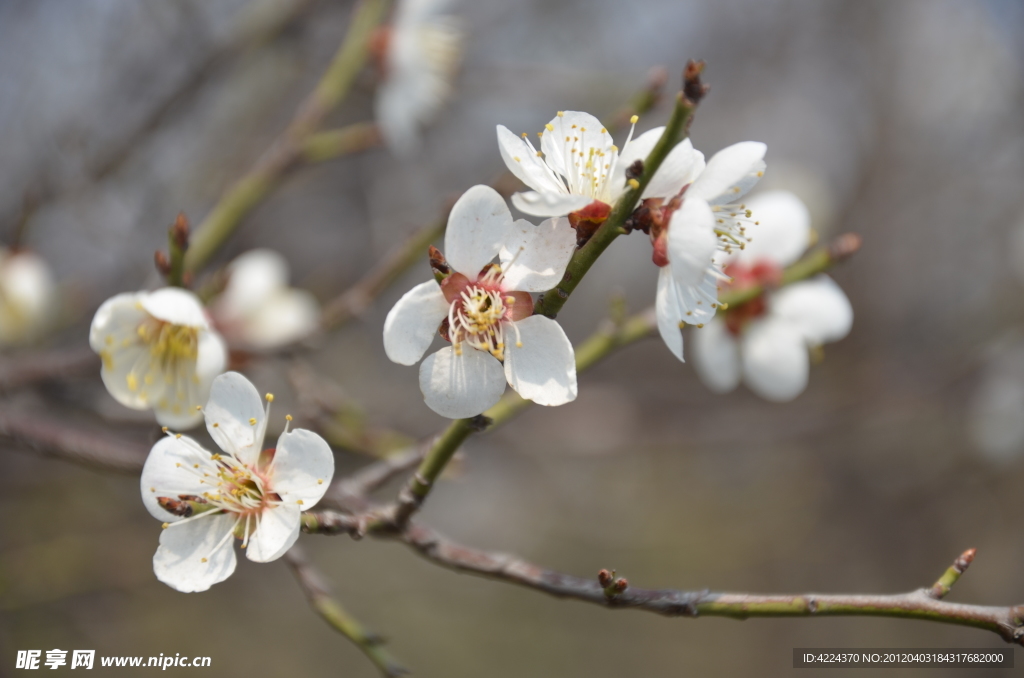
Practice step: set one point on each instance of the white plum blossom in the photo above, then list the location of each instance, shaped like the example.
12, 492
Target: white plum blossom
205, 499
766, 341
158, 353
485, 310
27, 297
419, 55
694, 216
577, 165
257, 310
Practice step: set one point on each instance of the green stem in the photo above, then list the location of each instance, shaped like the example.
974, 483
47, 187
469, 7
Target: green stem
676, 129
324, 146
288, 149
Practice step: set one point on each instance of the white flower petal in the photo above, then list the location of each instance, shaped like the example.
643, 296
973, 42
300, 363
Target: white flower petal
477, 227
730, 173
168, 473
818, 309
234, 403
194, 556
574, 130
176, 306
775, 360
783, 228
177, 414
692, 242
284, 318
278, 530
543, 369
669, 313
459, 386
116, 319
27, 297
117, 365
412, 323
253, 277
637, 149
716, 356
522, 160
549, 204
534, 257
681, 167
303, 467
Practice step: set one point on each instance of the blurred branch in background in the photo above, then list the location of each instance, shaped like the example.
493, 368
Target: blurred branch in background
291, 147
318, 593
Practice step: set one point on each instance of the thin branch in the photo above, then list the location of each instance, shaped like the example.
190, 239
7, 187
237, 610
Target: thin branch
55, 438
288, 149
318, 594
1007, 622
24, 369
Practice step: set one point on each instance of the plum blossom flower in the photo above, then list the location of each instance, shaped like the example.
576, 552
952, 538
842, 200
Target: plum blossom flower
485, 310
257, 310
690, 214
419, 55
204, 499
158, 353
576, 167
766, 341
27, 297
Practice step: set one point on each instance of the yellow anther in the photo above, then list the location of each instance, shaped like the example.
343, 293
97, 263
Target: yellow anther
549, 127
177, 435
164, 429
319, 481
165, 525
516, 158
723, 306
604, 130
288, 417
299, 502
252, 421
133, 382
700, 325
216, 424
203, 560
634, 184
199, 408
682, 324
270, 397
561, 114
525, 135
152, 489
634, 119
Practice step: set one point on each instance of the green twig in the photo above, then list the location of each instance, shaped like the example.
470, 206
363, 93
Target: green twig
318, 594
289, 149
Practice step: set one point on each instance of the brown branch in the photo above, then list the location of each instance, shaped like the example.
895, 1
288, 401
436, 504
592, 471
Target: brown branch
318, 593
17, 371
55, 438
918, 604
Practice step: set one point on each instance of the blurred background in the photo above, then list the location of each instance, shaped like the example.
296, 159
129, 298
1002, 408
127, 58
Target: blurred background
897, 121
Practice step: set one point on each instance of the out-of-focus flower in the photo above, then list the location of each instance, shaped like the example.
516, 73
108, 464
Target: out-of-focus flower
27, 297
158, 353
257, 310
244, 491
419, 55
485, 310
996, 422
765, 341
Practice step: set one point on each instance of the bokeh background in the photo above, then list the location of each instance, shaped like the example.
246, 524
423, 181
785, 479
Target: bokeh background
896, 120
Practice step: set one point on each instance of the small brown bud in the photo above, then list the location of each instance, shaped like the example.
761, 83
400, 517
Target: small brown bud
180, 231
163, 265
438, 264
604, 578
635, 170
620, 585
693, 89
